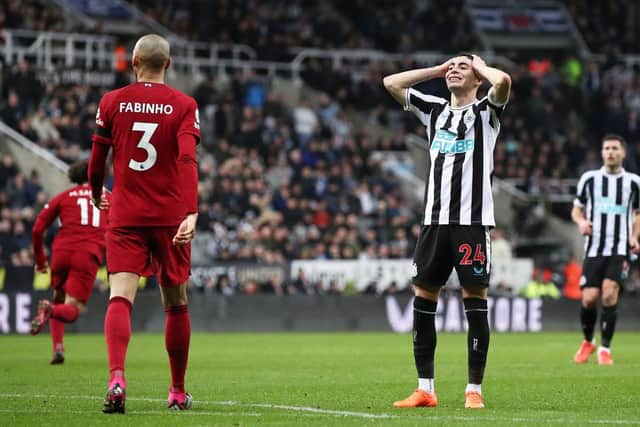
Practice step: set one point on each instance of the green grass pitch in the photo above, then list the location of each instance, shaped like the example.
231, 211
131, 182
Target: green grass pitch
323, 379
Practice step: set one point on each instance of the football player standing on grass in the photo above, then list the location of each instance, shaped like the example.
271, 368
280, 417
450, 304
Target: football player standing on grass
458, 211
77, 254
153, 130
606, 200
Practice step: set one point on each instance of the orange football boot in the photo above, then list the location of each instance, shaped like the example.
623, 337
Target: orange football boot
418, 398
585, 350
473, 400
604, 358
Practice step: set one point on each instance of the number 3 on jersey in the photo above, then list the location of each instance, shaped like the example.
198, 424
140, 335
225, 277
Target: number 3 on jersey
145, 144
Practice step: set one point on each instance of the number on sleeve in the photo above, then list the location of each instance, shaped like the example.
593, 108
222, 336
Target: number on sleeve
145, 144
84, 213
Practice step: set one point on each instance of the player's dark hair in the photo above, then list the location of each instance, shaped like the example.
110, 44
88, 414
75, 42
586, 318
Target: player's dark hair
467, 54
78, 172
615, 137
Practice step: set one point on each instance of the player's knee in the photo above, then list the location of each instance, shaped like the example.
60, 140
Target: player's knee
174, 296
474, 291
609, 298
72, 301
431, 293
59, 296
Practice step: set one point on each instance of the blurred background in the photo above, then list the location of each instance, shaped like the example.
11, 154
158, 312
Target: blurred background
311, 176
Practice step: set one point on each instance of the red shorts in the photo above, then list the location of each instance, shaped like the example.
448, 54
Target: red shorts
74, 272
142, 250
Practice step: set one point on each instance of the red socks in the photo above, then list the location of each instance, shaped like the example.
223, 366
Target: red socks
56, 328
176, 337
66, 313
117, 331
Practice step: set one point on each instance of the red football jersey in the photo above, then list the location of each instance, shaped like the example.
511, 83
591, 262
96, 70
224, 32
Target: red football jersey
82, 228
142, 122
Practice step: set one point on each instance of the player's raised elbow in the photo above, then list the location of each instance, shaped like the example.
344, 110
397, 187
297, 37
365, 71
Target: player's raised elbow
505, 81
392, 86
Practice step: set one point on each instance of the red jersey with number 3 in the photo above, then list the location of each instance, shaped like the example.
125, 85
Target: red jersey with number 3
142, 122
82, 225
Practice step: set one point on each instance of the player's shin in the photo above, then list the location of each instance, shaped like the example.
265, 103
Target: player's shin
67, 313
608, 324
177, 337
477, 339
424, 341
117, 331
57, 333
588, 317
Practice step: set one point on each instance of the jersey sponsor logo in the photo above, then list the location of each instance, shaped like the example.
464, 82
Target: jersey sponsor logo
145, 107
446, 143
607, 205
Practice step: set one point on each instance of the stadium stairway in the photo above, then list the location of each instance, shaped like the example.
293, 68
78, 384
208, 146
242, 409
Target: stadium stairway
30, 156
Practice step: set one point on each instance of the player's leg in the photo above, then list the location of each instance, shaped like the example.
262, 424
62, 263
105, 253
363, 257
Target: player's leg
610, 292
127, 259
472, 251
592, 276
433, 265
174, 271
56, 327
59, 269
117, 332
478, 337
177, 339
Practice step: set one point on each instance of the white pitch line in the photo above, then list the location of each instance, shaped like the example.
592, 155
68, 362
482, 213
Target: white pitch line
182, 413
317, 411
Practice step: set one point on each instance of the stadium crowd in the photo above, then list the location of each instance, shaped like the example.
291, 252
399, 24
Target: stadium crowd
281, 182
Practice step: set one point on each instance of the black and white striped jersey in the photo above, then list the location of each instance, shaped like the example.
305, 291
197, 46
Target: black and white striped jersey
461, 144
609, 201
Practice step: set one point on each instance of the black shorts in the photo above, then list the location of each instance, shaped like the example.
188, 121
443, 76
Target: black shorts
596, 269
440, 248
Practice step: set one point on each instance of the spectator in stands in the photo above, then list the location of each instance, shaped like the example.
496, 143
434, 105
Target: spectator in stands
500, 247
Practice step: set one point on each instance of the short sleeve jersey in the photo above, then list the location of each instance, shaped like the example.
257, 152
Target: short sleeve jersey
82, 225
143, 122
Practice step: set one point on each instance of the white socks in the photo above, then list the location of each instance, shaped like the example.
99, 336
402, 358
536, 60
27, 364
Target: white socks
477, 388
605, 349
426, 384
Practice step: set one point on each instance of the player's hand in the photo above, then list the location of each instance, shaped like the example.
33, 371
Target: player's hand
186, 230
444, 67
586, 228
634, 245
42, 268
102, 203
478, 64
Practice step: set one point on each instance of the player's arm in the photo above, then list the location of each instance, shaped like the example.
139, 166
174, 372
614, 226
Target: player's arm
99, 151
188, 176
45, 218
500, 81
398, 84
577, 215
97, 167
634, 241
188, 138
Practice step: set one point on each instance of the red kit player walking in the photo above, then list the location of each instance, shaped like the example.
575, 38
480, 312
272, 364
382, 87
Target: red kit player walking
153, 130
77, 254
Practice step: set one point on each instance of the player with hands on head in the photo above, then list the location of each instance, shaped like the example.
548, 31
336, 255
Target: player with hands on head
153, 130
458, 213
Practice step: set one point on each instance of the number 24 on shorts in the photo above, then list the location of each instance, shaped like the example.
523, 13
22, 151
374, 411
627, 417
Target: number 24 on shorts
466, 250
